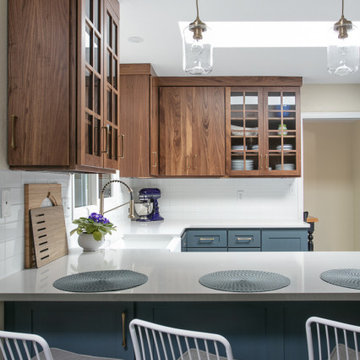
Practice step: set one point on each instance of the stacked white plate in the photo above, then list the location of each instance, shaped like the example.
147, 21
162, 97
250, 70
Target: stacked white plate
239, 164
285, 167
285, 147
238, 147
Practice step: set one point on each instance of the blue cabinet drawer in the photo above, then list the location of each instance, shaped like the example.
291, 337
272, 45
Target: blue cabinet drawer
206, 238
244, 238
284, 240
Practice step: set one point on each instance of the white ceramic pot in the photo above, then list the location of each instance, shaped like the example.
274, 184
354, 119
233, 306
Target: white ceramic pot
88, 243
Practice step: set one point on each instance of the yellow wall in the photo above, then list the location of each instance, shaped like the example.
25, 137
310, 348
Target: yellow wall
3, 83
356, 162
329, 179
328, 98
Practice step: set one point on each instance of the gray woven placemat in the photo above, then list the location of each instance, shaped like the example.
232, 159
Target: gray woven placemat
97, 281
348, 278
244, 281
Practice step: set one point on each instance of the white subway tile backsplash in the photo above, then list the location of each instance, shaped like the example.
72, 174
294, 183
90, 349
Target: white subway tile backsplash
12, 228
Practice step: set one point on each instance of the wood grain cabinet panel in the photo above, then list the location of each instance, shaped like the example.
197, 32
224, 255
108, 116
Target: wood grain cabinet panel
138, 121
192, 131
39, 72
58, 84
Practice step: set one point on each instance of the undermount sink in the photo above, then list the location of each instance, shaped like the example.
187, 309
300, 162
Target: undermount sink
152, 241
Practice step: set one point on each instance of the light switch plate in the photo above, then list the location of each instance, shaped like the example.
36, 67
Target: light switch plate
5, 203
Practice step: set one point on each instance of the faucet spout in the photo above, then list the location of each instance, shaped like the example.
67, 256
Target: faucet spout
131, 202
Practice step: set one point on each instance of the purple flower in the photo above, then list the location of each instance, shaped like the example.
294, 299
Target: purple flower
99, 218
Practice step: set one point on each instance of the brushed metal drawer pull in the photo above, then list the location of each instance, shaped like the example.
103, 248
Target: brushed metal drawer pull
154, 163
13, 120
106, 151
123, 320
122, 156
206, 239
247, 239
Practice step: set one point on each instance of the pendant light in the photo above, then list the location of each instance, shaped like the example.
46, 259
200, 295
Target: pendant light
197, 49
343, 50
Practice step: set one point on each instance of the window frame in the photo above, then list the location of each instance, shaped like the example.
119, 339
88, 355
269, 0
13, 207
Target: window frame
94, 198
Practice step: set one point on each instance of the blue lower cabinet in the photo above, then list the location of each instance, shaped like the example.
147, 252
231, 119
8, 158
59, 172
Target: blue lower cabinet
256, 330
84, 327
285, 240
242, 239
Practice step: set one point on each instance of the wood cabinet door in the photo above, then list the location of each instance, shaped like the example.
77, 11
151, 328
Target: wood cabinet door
39, 82
207, 157
192, 131
176, 108
111, 84
134, 125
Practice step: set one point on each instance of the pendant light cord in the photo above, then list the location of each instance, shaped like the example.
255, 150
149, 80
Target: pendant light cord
342, 9
197, 8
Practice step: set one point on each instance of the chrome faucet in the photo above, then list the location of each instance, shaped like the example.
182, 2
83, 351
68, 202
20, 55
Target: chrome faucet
130, 202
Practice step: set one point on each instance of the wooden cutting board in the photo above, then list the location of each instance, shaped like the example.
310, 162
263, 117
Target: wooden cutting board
34, 195
49, 234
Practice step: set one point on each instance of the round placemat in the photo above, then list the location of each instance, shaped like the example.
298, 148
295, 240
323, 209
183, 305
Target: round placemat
97, 281
348, 278
244, 281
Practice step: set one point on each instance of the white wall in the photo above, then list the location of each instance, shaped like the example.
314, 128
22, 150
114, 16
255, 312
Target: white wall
12, 228
213, 199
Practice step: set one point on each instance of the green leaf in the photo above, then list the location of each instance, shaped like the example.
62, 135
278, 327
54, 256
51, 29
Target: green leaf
97, 235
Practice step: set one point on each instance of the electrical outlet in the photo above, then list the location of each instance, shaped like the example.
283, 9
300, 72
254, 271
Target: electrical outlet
239, 194
5, 204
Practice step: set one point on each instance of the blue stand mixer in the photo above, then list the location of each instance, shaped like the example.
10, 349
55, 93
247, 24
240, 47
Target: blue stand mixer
148, 207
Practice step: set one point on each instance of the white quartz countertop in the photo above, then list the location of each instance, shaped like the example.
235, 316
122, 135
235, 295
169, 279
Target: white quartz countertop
174, 276
176, 227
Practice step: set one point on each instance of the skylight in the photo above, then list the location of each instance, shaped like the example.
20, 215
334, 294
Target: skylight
264, 34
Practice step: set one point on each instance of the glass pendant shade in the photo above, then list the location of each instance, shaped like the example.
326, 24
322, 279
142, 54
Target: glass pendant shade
343, 54
197, 53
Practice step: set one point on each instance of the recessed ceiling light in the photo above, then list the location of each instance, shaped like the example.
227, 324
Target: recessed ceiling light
135, 39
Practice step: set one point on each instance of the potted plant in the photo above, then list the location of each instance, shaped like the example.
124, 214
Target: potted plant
92, 231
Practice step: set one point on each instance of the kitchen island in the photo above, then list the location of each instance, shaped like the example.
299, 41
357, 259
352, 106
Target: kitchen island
266, 325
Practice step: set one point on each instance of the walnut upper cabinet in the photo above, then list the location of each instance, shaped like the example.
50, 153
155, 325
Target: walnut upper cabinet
191, 131
138, 119
263, 131
63, 88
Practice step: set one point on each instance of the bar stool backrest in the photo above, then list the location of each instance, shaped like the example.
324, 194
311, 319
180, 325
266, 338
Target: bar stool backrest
332, 340
156, 342
20, 346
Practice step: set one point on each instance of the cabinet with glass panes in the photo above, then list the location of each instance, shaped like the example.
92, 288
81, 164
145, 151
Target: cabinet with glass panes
263, 132
76, 128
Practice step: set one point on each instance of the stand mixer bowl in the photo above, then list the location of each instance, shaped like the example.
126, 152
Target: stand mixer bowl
143, 210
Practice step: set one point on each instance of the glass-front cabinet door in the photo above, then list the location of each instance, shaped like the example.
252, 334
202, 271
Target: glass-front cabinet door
91, 84
111, 122
282, 132
244, 111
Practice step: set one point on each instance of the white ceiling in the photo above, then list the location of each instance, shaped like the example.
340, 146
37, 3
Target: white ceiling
156, 21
